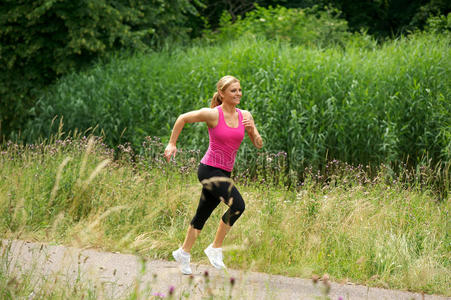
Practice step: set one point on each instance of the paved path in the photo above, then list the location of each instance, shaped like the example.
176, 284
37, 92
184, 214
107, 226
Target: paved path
119, 274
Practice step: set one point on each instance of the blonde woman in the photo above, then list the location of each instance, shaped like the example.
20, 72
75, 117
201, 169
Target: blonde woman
226, 126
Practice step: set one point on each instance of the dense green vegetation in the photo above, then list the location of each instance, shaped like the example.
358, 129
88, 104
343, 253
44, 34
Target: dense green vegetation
308, 27
43, 40
381, 18
357, 228
362, 105
40, 41
354, 176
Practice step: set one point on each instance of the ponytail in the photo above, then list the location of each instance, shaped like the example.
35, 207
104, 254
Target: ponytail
216, 100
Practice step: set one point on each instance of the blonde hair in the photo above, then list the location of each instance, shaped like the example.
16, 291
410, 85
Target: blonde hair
222, 85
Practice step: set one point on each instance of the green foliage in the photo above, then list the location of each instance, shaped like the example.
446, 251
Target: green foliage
380, 18
42, 40
213, 9
427, 10
439, 24
297, 26
388, 18
359, 105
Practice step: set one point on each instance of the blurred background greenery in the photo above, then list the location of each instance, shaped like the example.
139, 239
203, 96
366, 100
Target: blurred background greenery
365, 82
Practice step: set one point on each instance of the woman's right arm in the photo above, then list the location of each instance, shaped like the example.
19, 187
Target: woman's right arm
202, 115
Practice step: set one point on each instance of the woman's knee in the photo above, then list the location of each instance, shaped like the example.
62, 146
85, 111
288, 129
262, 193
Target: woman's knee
232, 215
199, 220
239, 206
237, 202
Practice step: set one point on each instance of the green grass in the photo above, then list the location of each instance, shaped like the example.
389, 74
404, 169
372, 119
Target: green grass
356, 228
360, 103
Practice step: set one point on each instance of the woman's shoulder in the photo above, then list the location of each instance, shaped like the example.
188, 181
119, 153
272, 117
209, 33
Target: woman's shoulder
211, 115
245, 113
209, 111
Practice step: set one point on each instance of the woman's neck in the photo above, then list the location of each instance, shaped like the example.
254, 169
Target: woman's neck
228, 108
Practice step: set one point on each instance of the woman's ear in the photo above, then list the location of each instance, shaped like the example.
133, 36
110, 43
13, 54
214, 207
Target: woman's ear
221, 94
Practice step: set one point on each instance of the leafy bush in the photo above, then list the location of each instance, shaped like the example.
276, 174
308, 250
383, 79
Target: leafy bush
298, 26
439, 24
42, 40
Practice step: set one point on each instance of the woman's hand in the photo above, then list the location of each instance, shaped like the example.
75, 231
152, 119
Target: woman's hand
170, 151
248, 123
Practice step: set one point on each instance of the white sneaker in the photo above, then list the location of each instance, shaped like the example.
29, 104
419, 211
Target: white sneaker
183, 259
215, 257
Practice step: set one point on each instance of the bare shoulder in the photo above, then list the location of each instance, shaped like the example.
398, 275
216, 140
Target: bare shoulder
246, 114
202, 115
207, 110
209, 114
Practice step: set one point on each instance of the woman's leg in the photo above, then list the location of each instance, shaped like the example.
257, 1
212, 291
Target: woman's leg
207, 204
191, 236
222, 231
209, 199
230, 196
236, 206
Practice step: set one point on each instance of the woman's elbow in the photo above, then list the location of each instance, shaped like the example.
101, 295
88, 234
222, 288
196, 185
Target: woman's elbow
182, 119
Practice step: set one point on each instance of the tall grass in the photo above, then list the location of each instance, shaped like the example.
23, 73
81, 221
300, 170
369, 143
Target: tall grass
360, 104
355, 228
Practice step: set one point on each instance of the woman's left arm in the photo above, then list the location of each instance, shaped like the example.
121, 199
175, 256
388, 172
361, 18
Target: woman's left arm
251, 130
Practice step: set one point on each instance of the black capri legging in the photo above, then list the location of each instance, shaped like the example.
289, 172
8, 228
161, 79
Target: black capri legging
216, 187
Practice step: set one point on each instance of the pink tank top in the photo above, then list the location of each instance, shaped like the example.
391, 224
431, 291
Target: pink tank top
224, 143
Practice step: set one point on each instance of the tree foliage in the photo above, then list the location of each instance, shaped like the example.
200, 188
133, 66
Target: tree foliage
42, 40
379, 17
310, 26
390, 17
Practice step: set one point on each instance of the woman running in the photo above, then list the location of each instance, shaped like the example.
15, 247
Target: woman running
226, 126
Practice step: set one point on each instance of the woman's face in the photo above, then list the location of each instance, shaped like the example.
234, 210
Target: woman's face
232, 94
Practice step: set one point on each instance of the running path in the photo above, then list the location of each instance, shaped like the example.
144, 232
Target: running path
119, 274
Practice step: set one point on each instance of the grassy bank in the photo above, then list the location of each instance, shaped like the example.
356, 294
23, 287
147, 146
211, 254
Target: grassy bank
356, 228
